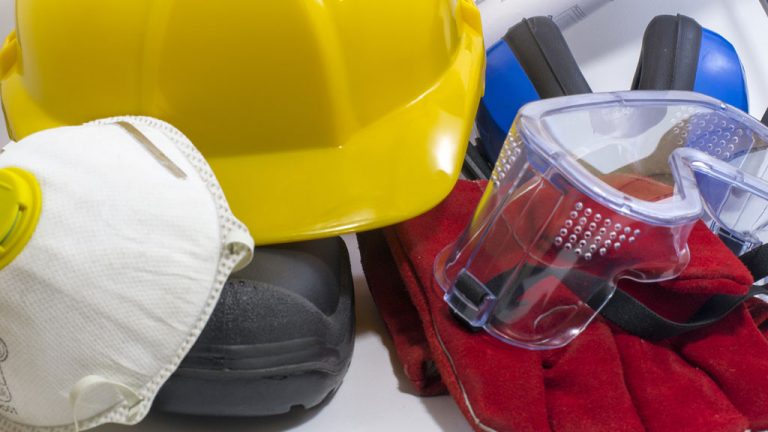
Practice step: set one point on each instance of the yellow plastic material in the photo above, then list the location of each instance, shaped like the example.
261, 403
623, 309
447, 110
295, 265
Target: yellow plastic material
318, 118
8, 54
20, 206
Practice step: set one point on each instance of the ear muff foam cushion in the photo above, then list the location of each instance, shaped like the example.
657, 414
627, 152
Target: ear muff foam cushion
546, 58
669, 56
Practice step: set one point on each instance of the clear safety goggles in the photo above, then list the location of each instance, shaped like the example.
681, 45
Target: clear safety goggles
590, 189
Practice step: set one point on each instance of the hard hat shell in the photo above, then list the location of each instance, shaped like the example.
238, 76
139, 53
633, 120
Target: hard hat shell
318, 118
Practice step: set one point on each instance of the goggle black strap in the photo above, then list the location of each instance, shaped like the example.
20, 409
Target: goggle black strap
756, 261
634, 317
622, 309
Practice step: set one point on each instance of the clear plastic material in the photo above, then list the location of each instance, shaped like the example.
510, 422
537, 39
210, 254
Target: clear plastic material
590, 189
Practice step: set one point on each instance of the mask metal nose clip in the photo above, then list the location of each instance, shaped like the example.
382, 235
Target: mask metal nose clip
20, 207
158, 154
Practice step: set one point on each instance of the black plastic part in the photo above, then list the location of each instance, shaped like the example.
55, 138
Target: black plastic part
281, 336
669, 56
466, 325
543, 53
756, 261
475, 167
472, 289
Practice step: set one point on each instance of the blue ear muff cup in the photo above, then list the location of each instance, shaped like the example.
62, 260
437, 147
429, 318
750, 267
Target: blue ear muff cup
678, 54
507, 88
720, 73
532, 61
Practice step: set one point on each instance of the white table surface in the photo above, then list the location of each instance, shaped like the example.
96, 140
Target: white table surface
375, 395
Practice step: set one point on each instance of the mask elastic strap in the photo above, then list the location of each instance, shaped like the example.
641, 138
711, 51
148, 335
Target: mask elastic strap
240, 241
90, 382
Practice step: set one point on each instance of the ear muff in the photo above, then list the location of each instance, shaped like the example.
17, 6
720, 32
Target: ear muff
678, 54
530, 62
533, 61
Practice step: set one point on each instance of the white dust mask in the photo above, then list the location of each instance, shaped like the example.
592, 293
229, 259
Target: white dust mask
115, 242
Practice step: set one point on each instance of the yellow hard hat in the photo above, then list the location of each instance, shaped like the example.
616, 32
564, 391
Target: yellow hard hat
318, 118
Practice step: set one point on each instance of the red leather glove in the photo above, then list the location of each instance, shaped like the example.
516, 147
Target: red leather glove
713, 379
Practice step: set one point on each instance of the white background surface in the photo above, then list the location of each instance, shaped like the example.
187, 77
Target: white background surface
375, 396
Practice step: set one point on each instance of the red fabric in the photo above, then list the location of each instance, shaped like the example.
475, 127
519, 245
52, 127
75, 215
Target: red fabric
715, 379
